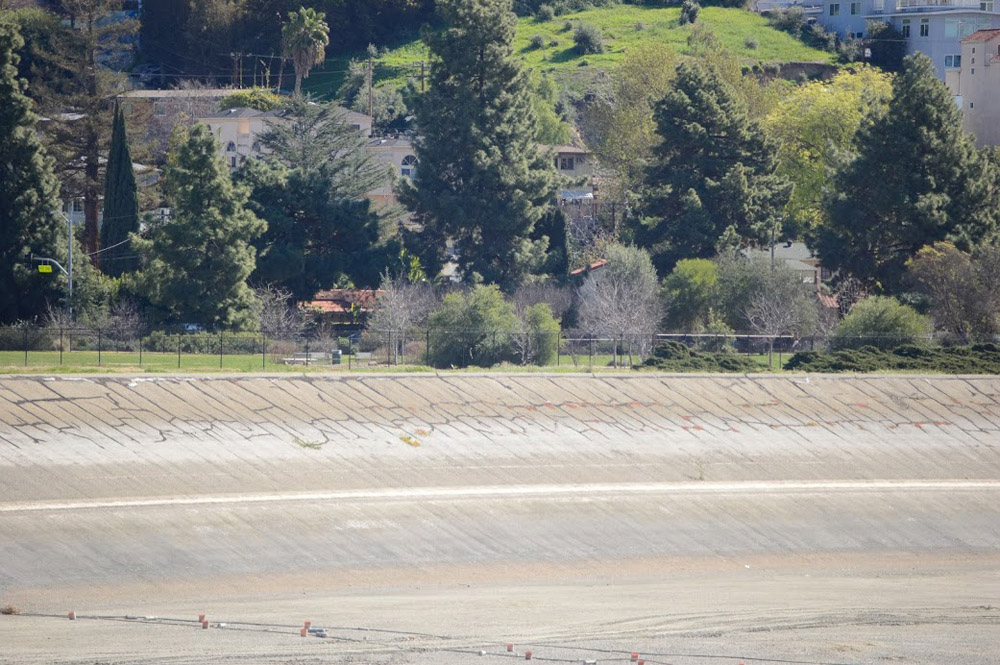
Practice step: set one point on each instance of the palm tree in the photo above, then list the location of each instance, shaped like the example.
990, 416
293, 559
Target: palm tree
304, 39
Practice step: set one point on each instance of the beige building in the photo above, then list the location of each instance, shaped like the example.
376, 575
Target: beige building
976, 86
398, 154
160, 111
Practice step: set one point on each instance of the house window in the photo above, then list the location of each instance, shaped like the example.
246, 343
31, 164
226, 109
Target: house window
855, 8
972, 71
232, 162
566, 163
986, 6
925, 27
77, 205
906, 28
951, 27
952, 61
409, 166
835, 9
230, 147
972, 105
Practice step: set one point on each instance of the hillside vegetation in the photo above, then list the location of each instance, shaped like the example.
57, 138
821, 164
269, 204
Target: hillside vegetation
624, 27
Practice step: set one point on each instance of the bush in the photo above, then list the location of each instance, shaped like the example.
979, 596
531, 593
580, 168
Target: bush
673, 356
791, 20
13, 338
553, 43
260, 99
751, 43
588, 39
976, 359
542, 330
567, 26
537, 42
161, 341
689, 12
880, 322
472, 329
545, 13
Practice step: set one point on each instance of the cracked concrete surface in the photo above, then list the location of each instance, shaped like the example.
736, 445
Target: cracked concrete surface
857, 516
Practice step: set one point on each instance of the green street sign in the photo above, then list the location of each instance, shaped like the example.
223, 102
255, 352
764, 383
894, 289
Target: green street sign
44, 268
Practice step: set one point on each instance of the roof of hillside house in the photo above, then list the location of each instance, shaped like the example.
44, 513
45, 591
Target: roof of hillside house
564, 149
983, 35
181, 94
340, 301
243, 112
596, 265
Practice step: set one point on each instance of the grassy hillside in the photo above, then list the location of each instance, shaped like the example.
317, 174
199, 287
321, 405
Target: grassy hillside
625, 27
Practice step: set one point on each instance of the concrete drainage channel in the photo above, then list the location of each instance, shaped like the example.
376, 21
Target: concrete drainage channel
584, 517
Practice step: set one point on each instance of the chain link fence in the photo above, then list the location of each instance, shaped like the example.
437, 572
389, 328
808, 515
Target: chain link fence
173, 350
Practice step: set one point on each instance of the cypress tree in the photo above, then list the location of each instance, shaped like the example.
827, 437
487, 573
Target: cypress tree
918, 179
481, 180
196, 264
712, 178
121, 204
28, 198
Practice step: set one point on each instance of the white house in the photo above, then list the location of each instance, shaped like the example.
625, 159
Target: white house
976, 86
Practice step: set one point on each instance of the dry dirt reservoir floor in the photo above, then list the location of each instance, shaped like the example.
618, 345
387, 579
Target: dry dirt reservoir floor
435, 518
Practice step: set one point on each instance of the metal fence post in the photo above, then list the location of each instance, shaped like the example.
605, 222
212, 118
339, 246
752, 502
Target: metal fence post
427, 349
25, 346
558, 345
263, 352
178, 350
139, 335
307, 352
99, 343
220, 349
60, 345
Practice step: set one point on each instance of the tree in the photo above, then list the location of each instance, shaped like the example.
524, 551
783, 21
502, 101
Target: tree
620, 300
882, 322
690, 290
742, 282
79, 104
304, 39
311, 191
964, 289
401, 306
887, 44
883, 212
712, 180
473, 328
28, 197
619, 123
121, 204
538, 341
278, 316
813, 131
481, 181
196, 264
552, 129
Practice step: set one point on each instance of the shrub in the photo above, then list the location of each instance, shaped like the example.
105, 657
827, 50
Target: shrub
588, 39
472, 329
10, 609
260, 99
790, 20
880, 322
545, 13
537, 42
675, 357
567, 26
553, 43
640, 26
542, 330
161, 341
751, 43
689, 12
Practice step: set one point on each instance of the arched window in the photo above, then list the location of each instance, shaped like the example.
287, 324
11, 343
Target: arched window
409, 167
231, 147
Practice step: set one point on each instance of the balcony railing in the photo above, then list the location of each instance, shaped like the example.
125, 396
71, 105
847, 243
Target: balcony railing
902, 5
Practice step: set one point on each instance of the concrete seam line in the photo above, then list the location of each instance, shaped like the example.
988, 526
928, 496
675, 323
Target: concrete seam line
520, 491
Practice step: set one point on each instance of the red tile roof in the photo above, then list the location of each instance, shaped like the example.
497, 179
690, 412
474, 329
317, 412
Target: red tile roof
599, 263
983, 35
338, 301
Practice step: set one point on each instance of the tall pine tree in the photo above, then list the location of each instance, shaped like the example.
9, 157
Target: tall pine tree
28, 198
481, 181
712, 178
918, 179
121, 204
196, 264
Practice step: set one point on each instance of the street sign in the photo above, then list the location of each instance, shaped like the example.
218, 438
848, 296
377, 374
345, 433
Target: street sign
44, 268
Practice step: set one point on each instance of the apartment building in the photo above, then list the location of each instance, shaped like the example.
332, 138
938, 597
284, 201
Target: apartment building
976, 86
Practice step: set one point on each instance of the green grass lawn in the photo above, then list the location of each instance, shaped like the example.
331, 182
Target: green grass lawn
50, 362
624, 27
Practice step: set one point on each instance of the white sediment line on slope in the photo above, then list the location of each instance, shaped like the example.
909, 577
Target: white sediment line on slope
519, 491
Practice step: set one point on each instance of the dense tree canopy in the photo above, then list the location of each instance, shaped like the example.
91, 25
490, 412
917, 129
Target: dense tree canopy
28, 221
481, 181
197, 263
121, 204
712, 181
917, 179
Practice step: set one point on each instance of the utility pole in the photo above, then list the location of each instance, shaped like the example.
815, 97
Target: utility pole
370, 72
